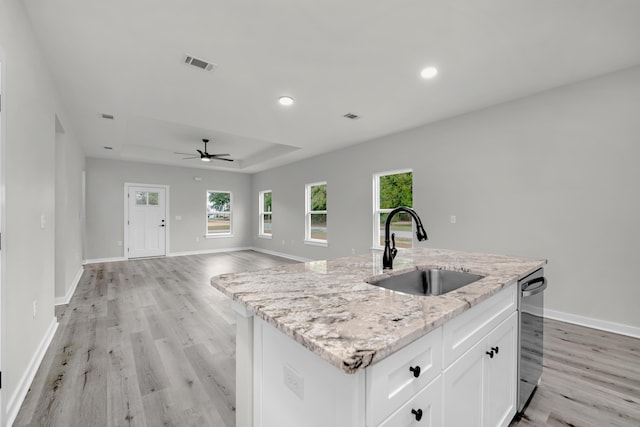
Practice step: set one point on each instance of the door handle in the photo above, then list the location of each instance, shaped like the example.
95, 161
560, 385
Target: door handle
528, 291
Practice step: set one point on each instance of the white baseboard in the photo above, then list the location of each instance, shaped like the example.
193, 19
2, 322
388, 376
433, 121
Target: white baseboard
72, 289
101, 260
15, 402
281, 254
603, 325
209, 251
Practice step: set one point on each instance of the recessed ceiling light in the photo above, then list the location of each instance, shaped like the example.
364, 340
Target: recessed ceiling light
285, 100
429, 72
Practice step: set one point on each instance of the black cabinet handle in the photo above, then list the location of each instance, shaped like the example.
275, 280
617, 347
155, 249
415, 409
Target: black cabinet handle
416, 371
496, 348
490, 353
417, 413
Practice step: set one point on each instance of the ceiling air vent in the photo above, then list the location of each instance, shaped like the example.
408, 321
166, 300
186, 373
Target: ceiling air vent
107, 116
199, 63
352, 116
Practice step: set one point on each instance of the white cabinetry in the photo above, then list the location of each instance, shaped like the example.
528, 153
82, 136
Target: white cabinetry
483, 379
460, 374
394, 381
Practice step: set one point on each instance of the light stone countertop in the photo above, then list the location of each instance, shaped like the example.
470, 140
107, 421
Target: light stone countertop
328, 307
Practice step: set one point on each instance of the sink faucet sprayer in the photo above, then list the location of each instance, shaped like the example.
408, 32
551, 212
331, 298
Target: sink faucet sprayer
390, 252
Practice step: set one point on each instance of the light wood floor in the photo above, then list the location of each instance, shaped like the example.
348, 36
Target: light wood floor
151, 343
143, 343
590, 378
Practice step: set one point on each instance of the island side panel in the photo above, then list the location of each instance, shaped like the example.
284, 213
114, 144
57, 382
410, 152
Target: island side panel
294, 387
244, 366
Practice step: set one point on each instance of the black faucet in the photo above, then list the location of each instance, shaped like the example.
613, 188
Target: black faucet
390, 252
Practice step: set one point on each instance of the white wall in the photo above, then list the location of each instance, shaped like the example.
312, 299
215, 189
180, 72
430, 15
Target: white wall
551, 176
105, 205
69, 227
31, 104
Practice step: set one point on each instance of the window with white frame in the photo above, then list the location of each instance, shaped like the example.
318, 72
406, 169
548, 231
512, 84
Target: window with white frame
316, 213
219, 213
266, 214
391, 190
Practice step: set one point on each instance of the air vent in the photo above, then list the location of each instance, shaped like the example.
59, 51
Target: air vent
108, 148
107, 116
352, 116
199, 63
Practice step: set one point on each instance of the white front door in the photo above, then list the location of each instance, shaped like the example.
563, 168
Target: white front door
147, 226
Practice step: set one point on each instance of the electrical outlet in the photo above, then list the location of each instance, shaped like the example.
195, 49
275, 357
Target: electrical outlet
35, 308
282, 242
452, 219
353, 251
294, 381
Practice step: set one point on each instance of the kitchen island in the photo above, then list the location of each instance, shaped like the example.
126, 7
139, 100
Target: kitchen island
315, 342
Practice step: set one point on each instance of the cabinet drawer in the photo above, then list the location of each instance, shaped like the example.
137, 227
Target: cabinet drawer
428, 403
393, 381
463, 331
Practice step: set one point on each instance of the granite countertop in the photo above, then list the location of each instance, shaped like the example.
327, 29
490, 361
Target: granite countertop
328, 307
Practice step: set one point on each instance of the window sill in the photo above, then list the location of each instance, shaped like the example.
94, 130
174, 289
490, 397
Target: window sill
265, 236
218, 236
322, 243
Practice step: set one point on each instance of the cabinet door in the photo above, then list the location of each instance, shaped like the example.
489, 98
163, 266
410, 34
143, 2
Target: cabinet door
463, 389
500, 374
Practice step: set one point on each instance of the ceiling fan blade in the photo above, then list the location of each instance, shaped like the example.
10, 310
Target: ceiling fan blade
222, 158
188, 158
202, 154
219, 155
184, 154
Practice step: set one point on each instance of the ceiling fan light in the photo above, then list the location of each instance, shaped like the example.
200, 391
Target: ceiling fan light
205, 159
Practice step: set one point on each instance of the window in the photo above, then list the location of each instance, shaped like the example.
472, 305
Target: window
316, 214
146, 198
265, 214
391, 190
219, 213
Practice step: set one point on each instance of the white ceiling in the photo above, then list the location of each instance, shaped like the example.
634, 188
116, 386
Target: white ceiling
334, 57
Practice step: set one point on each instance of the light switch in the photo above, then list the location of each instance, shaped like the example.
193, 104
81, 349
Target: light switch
43, 221
452, 219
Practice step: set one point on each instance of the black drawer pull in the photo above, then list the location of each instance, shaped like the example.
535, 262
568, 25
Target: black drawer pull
416, 371
417, 413
490, 353
496, 348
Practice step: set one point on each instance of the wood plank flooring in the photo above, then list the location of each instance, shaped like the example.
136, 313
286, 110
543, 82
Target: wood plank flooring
590, 378
143, 343
151, 343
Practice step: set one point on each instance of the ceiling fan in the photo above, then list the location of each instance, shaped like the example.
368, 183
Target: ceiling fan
204, 156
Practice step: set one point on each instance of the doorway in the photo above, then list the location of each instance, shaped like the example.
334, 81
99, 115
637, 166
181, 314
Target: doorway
146, 220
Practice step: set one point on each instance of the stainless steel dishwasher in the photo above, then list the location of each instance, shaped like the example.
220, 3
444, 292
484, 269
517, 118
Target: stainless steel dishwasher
531, 334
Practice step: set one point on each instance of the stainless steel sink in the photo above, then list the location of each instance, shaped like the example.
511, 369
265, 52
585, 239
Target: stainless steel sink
427, 282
